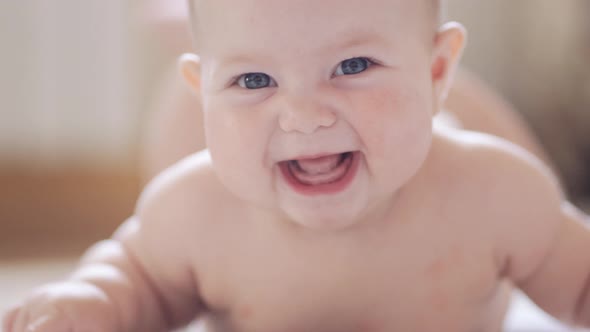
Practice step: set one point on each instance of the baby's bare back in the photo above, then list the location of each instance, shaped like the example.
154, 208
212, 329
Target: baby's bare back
430, 265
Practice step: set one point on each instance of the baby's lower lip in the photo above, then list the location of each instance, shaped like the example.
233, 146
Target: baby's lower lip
334, 187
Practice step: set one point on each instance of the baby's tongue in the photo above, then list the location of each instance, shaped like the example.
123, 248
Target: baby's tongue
319, 165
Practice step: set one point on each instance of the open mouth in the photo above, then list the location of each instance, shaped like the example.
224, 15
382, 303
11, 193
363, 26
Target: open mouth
321, 175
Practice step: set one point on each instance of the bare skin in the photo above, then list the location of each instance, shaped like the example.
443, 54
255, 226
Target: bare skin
461, 264
175, 128
421, 232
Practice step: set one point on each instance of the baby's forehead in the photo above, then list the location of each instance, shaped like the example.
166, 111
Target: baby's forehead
216, 17
430, 7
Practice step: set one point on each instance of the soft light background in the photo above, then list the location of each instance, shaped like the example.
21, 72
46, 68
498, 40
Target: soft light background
77, 78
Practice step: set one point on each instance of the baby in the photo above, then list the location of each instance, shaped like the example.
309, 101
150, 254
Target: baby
327, 201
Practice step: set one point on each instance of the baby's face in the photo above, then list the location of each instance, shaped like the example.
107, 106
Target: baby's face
317, 110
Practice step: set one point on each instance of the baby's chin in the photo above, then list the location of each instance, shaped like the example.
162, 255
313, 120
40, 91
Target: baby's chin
323, 222
325, 218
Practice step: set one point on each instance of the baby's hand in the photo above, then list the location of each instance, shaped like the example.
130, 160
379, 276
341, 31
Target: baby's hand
67, 306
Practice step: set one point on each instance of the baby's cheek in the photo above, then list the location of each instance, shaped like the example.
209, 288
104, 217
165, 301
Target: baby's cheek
228, 129
380, 114
396, 131
382, 102
228, 146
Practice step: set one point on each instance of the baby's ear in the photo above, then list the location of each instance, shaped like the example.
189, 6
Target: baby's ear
448, 48
190, 68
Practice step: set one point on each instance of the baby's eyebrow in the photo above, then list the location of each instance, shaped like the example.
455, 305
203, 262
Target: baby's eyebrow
232, 64
357, 40
237, 59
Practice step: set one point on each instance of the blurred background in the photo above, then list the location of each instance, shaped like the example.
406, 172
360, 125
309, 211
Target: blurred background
79, 79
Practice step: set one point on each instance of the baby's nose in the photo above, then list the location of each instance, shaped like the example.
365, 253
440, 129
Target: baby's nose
305, 115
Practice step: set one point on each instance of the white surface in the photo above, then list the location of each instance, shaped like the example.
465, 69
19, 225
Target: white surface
525, 316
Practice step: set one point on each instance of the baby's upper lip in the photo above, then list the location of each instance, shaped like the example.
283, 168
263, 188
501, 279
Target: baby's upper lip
315, 155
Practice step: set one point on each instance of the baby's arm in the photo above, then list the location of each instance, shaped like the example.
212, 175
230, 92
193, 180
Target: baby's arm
560, 282
136, 281
546, 241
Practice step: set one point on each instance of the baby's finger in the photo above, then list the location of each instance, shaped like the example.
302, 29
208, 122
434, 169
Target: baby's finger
47, 323
20, 321
9, 318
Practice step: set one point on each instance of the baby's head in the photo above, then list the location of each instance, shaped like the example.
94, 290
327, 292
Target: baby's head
284, 82
431, 10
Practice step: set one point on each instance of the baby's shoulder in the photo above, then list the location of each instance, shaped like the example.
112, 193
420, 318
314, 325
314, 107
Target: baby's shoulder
504, 187
492, 162
187, 193
494, 180
172, 218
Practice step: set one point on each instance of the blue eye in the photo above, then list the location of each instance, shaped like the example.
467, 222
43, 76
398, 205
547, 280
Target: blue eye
353, 66
255, 81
